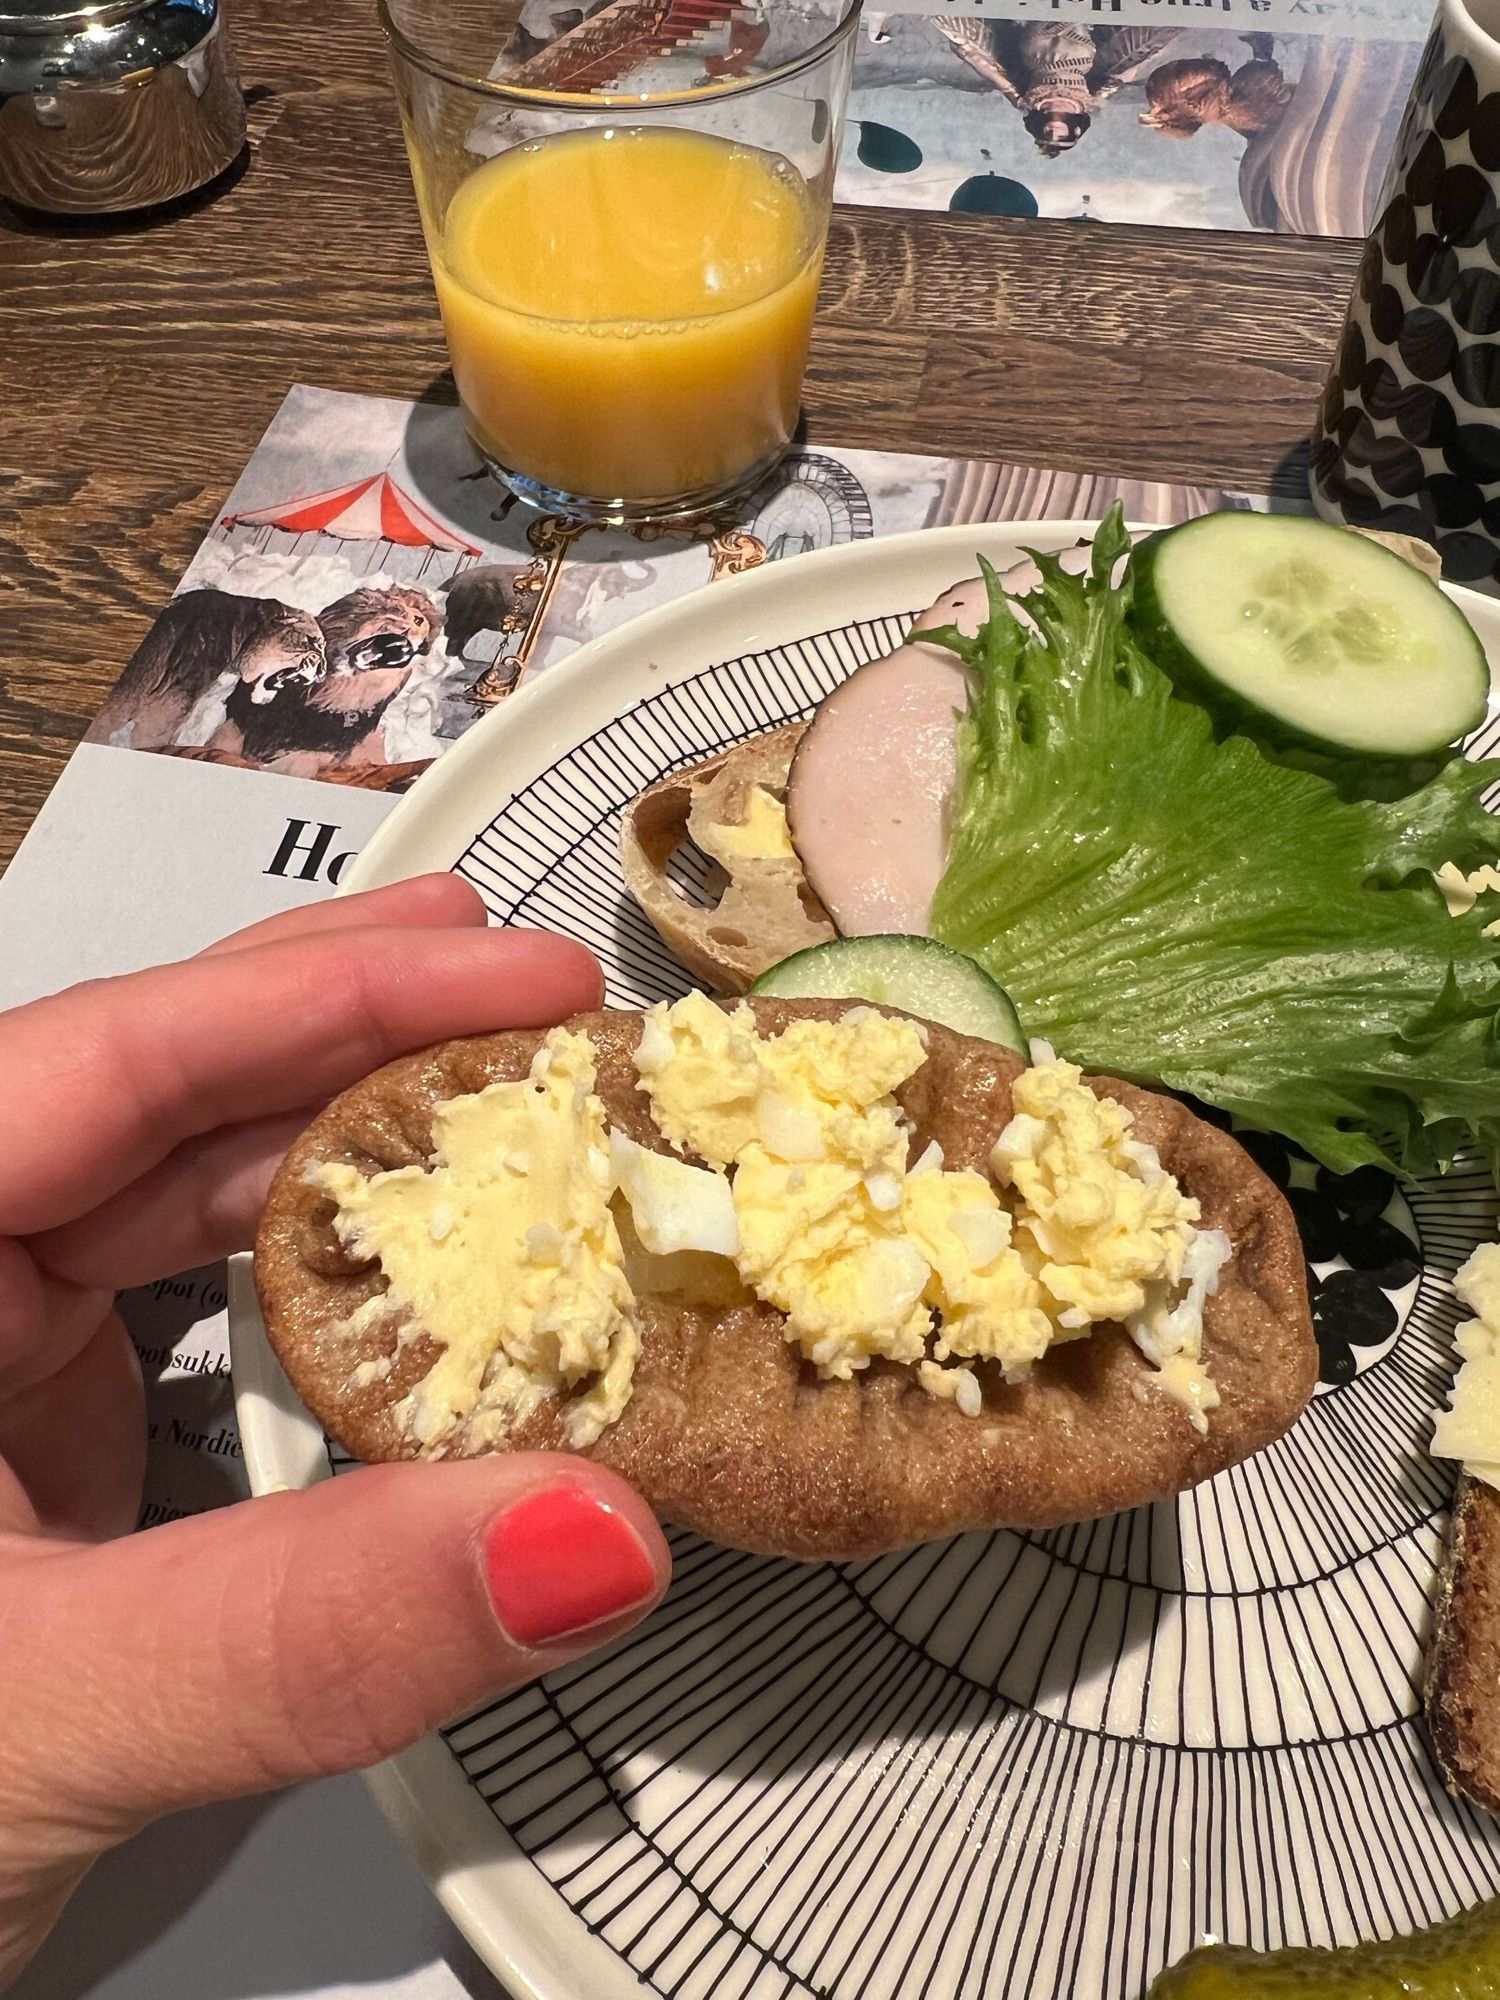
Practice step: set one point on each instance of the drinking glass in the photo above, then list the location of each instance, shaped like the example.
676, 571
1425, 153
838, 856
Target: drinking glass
626, 223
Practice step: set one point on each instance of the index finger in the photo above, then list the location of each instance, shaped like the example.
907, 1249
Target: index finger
434, 901
104, 1080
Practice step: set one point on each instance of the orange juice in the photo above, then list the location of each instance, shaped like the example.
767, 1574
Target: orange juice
628, 310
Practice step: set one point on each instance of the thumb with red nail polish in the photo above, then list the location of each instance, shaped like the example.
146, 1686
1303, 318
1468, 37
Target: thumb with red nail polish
296, 1636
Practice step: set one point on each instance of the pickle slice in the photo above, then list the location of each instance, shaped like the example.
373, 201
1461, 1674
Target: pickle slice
1457, 1960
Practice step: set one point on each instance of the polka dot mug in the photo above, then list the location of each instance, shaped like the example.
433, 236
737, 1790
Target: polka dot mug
1408, 429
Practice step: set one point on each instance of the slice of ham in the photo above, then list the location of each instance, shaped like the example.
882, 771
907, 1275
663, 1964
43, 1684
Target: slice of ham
870, 786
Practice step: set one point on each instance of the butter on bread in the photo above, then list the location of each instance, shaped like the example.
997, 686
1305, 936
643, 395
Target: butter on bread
1462, 1692
764, 909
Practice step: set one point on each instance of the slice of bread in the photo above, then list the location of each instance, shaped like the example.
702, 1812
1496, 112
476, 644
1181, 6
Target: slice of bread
728, 1430
1421, 555
1463, 1659
764, 909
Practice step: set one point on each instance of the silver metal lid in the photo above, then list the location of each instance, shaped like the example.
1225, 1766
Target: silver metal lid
114, 104
47, 17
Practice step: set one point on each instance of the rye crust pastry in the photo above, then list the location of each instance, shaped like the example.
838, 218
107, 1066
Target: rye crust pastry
1463, 1660
728, 1430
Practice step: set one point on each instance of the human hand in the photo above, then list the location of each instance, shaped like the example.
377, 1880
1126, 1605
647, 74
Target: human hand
299, 1634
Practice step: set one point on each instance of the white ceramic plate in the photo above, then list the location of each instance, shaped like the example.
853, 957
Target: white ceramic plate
1019, 1765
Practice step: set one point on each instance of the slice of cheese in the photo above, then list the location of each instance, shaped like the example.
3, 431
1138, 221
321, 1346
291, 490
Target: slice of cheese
1469, 1429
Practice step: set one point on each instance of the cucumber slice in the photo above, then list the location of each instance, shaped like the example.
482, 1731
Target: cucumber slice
916, 974
1304, 634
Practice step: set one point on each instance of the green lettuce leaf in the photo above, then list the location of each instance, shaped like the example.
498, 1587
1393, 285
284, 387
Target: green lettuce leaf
1177, 908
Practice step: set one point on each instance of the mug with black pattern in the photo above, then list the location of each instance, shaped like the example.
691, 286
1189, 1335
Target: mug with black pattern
1408, 428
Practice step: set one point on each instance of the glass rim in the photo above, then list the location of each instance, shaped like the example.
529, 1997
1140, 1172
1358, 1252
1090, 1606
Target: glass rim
522, 95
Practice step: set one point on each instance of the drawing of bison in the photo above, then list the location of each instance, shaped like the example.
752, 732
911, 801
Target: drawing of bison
478, 600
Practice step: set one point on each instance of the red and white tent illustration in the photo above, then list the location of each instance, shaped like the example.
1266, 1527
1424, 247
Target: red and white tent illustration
374, 510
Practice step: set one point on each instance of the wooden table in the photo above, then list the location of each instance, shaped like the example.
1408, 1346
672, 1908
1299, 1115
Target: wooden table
141, 363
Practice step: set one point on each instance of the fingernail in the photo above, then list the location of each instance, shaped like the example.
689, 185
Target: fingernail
561, 1561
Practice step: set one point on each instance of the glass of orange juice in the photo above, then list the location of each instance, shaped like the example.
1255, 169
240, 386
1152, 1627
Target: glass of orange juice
626, 206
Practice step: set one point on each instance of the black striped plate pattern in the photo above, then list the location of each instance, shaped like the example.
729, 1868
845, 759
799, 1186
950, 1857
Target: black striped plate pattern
1004, 1765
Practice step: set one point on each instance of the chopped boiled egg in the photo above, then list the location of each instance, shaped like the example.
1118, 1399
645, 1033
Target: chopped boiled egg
1105, 1230
1170, 1335
818, 1146
870, 1258
959, 1385
814, 1245
991, 1304
701, 1069
674, 1206
785, 1131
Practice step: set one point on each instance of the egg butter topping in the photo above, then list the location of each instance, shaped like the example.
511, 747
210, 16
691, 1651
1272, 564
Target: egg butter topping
1109, 1233
861, 1251
505, 1251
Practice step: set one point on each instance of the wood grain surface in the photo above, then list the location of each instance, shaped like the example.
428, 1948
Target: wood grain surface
142, 360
